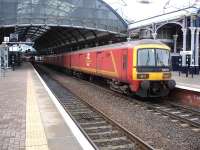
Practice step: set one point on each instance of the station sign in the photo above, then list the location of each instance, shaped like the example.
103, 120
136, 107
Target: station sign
6, 39
185, 53
28, 40
13, 37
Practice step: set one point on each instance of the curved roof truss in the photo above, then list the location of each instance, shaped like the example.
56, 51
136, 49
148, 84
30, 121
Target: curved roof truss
53, 23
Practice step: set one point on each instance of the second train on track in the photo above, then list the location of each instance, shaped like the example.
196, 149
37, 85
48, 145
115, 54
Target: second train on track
142, 67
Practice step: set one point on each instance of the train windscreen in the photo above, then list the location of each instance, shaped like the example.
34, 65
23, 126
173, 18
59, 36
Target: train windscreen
153, 58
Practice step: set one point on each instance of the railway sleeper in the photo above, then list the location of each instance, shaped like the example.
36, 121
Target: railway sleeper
80, 110
84, 119
94, 125
120, 147
106, 135
99, 127
98, 130
81, 115
185, 115
114, 143
103, 133
95, 122
85, 115
194, 119
90, 121
72, 102
110, 139
75, 107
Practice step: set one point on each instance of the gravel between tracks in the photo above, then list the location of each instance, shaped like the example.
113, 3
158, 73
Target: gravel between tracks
158, 131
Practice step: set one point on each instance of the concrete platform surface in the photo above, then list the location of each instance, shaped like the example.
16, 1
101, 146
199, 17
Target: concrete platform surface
29, 118
187, 83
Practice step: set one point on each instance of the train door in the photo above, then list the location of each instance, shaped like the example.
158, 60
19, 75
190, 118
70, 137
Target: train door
99, 62
62, 61
81, 60
124, 64
69, 60
65, 60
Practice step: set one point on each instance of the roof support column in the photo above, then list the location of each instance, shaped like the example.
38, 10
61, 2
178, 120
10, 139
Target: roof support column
192, 29
154, 35
184, 46
175, 42
197, 48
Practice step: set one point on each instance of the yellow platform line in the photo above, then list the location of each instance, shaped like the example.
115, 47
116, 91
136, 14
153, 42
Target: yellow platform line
35, 134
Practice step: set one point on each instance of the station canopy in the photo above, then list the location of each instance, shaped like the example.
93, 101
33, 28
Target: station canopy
59, 24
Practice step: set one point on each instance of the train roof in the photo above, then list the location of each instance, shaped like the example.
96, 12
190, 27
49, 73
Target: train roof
128, 44
121, 45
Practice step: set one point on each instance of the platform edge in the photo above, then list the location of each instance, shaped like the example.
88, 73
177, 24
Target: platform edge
85, 144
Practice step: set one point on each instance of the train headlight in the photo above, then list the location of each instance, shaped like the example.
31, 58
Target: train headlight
143, 76
167, 75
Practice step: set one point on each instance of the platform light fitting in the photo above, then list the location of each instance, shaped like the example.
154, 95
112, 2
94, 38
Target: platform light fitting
144, 1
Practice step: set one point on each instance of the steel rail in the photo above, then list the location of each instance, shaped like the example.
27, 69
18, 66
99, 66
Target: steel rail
135, 139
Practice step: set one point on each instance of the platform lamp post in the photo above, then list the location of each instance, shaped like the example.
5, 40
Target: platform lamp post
0, 61
180, 66
3, 59
2, 65
13, 59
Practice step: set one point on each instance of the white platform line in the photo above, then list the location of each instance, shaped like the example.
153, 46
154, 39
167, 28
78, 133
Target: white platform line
85, 144
188, 88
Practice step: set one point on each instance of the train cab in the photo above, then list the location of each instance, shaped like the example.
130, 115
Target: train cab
152, 69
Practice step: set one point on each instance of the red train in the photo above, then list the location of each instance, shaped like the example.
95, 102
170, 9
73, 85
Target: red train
142, 67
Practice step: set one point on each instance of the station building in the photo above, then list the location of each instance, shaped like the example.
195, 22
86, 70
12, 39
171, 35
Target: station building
179, 29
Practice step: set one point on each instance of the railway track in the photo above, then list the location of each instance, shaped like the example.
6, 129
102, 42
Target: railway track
102, 132
180, 113
185, 115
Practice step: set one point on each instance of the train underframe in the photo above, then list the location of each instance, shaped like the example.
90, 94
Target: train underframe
147, 88
150, 88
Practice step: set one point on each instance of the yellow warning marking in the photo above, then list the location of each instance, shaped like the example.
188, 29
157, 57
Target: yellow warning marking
35, 134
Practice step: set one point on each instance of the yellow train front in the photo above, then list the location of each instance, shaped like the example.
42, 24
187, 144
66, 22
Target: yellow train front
151, 72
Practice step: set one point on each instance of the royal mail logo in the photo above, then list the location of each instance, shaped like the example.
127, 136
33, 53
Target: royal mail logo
88, 60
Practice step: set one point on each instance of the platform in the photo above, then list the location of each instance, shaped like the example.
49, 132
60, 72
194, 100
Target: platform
29, 117
187, 83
